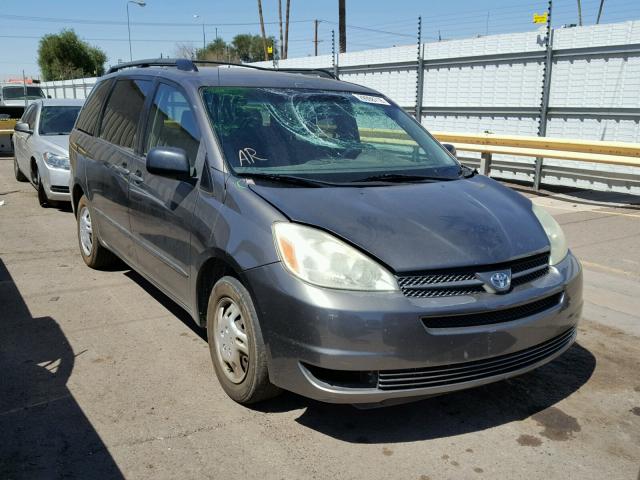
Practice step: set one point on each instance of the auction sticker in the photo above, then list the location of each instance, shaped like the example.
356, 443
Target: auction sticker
371, 99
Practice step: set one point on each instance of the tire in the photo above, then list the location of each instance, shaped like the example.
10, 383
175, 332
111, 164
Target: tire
92, 252
42, 195
21, 177
249, 381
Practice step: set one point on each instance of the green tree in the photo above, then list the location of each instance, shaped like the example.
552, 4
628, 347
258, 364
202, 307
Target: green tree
218, 50
64, 56
249, 48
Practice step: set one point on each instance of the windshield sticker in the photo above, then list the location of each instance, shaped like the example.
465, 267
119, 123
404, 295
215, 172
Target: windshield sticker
371, 99
249, 155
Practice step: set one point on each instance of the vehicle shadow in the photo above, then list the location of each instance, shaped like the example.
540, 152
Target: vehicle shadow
43, 431
446, 415
167, 303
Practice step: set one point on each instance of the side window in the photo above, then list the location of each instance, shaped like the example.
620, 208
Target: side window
119, 123
172, 123
91, 109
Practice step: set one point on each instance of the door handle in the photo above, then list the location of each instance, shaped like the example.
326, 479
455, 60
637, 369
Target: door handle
137, 177
122, 169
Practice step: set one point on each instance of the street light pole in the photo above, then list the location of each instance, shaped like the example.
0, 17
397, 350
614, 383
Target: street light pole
140, 3
204, 40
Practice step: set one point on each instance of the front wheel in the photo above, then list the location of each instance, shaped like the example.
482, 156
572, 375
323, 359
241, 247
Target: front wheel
93, 253
43, 200
235, 342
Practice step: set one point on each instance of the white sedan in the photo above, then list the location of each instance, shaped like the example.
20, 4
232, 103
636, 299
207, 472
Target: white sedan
41, 146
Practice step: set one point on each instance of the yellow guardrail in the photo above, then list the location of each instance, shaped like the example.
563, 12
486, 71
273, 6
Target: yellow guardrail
611, 153
7, 125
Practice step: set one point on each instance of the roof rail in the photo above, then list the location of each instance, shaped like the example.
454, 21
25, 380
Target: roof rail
190, 66
179, 63
320, 72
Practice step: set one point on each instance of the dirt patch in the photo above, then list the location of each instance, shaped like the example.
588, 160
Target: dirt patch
529, 441
387, 452
557, 425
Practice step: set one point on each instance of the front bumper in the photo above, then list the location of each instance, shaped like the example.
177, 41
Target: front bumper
320, 340
55, 182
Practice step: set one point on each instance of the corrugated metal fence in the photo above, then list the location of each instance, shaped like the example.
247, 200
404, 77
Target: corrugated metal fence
495, 84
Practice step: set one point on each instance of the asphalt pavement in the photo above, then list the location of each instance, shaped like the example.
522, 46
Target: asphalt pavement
102, 376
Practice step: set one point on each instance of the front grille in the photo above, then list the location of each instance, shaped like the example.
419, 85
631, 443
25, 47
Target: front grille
463, 281
58, 189
468, 371
494, 316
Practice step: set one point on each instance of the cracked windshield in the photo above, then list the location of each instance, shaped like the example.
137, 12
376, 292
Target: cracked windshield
326, 136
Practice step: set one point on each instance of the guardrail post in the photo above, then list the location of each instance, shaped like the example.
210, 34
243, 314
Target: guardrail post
546, 89
485, 163
419, 74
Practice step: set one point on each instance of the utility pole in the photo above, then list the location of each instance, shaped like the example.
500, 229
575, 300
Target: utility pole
315, 37
280, 18
264, 35
600, 12
286, 30
342, 25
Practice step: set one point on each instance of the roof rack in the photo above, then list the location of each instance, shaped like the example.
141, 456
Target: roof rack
191, 66
179, 63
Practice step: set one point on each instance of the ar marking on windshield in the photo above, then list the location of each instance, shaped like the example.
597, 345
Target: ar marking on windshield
250, 156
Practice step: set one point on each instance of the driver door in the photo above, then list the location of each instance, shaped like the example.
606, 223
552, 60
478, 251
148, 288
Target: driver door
161, 207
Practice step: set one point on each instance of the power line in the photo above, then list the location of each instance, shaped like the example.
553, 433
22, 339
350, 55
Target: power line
117, 22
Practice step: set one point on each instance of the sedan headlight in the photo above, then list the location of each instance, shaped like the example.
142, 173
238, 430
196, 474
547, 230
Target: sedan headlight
321, 259
55, 160
556, 236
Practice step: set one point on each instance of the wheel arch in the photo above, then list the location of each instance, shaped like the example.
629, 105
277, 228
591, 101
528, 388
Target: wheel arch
76, 194
218, 264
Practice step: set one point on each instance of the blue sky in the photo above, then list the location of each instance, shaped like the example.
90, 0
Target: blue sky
103, 23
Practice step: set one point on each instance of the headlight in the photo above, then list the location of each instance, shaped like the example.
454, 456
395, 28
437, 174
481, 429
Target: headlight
56, 161
556, 236
321, 259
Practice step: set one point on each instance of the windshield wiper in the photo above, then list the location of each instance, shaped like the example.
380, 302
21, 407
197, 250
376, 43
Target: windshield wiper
400, 177
291, 179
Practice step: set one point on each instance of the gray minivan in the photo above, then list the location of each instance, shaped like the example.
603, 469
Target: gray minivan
328, 243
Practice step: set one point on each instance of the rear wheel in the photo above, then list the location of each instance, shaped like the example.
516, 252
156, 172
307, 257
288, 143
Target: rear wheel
93, 253
235, 342
17, 172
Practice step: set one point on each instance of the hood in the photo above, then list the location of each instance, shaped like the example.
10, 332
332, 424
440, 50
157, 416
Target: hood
412, 227
55, 143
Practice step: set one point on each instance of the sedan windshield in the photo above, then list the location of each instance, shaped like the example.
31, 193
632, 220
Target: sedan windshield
328, 136
58, 120
18, 93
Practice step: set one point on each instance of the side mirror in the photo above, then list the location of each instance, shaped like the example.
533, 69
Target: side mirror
168, 162
23, 128
48, 96
451, 148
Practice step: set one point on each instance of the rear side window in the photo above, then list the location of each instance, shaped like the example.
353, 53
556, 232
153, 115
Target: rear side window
172, 123
91, 109
121, 115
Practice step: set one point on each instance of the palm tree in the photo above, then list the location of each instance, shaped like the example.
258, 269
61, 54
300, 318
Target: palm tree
264, 35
